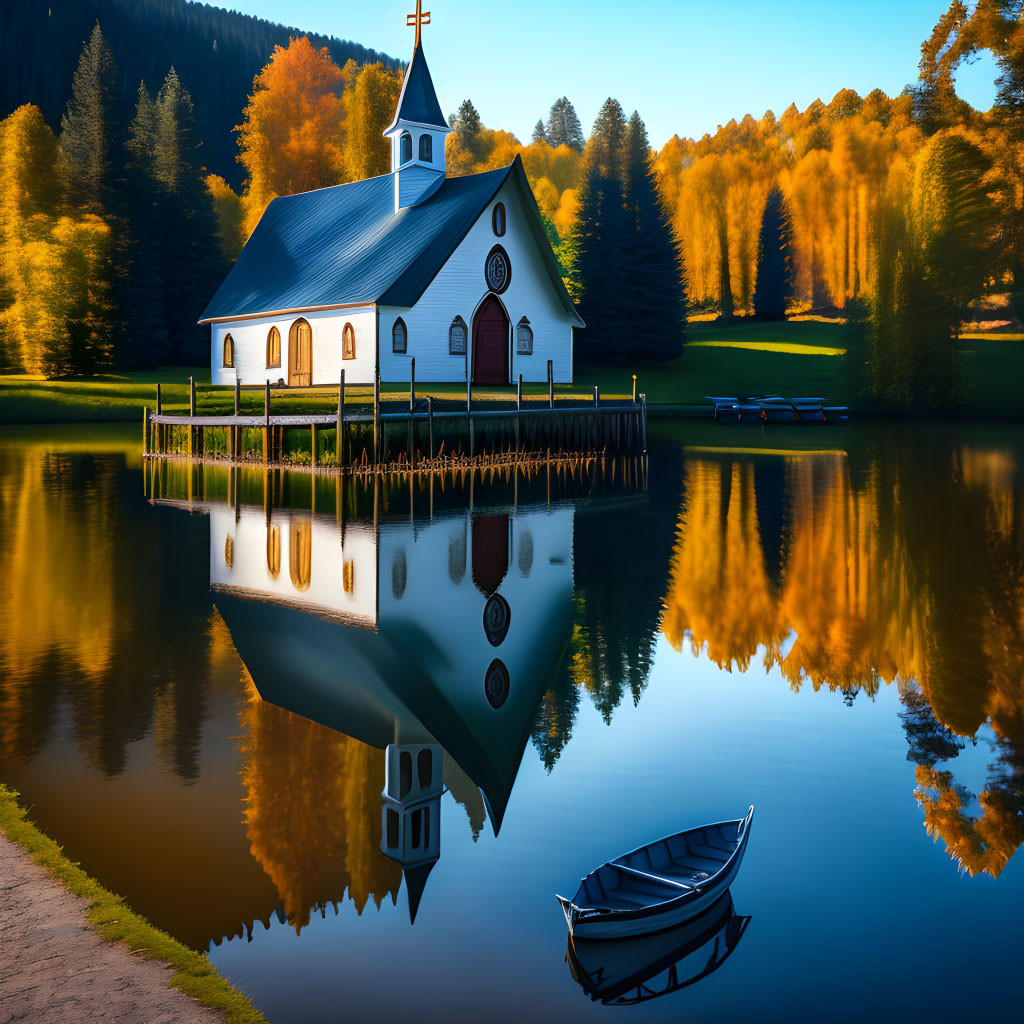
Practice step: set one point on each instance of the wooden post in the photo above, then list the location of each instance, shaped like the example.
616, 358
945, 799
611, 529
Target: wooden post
192, 413
145, 430
551, 386
339, 437
266, 422
643, 423
158, 433
430, 424
412, 406
519, 409
376, 417
634, 389
313, 442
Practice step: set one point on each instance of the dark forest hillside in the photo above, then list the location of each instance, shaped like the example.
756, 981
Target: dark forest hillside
215, 52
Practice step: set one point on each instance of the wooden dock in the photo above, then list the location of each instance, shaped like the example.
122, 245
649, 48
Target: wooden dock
377, 439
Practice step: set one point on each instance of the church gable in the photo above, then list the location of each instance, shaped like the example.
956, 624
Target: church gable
499, 262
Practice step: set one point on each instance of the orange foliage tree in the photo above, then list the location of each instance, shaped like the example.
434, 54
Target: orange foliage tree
292, 132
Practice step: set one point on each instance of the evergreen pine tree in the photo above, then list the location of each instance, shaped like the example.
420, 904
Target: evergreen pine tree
539, 134
466, 124
144, 307
93, 129
563, 127
191, 263
654, 273
774, 260
600, 244
92, 139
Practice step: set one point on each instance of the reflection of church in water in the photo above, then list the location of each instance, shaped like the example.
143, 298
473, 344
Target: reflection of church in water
432, 641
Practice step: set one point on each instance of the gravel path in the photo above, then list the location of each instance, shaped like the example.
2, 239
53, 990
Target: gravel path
54, 968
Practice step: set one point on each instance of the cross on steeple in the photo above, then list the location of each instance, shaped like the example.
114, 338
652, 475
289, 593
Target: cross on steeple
419, 19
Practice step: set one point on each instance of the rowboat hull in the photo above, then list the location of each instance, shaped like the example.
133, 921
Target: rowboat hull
589, 919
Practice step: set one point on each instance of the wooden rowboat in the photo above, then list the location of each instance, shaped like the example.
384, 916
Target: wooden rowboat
659, 885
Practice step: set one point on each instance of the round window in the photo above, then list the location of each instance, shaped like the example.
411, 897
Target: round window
497, 269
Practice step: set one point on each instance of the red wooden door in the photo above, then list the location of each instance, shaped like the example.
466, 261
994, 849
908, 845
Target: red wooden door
490, 343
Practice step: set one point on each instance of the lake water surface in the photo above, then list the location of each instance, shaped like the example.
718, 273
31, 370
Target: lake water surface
283, 718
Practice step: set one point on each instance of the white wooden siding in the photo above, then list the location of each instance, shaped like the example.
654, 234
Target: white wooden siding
459, 289
249, 572
250, 338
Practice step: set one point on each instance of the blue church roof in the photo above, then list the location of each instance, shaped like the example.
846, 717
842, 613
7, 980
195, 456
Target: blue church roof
418, 101
347, 245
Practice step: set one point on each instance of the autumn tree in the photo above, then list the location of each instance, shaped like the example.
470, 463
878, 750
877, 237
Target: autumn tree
371, 106
30, 196
292, 131
774, 261
940, 250
230, 211
563, 127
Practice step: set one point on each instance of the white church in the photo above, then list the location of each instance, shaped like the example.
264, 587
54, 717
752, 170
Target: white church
457, 273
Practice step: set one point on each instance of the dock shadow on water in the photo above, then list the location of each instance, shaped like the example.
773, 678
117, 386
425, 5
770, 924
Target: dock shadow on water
333, 728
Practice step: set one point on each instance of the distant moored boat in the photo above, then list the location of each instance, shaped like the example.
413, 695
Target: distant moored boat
659, 885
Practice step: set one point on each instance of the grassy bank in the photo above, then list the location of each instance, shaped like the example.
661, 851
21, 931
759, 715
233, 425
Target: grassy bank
193, 973
797, 357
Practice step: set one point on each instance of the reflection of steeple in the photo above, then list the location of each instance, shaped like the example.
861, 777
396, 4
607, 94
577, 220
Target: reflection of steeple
411, 813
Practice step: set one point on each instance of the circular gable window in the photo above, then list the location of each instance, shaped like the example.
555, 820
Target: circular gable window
497, 270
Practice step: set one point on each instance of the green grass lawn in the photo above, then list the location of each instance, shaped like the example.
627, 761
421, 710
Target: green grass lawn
790, 358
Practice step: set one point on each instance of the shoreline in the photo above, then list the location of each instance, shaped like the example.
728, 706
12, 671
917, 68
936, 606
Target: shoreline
90, 924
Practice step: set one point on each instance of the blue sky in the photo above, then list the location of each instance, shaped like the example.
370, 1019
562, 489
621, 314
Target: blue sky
686, 66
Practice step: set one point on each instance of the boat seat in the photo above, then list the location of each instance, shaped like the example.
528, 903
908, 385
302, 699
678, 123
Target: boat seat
647, 876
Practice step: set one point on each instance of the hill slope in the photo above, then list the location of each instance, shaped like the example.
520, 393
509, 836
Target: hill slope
216, 53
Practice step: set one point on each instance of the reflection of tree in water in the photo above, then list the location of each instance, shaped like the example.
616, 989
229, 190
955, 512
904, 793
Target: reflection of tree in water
313, 811
619, 558
96, 591
915, 576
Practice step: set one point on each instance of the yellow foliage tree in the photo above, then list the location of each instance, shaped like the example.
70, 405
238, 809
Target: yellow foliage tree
371, 106
230, 210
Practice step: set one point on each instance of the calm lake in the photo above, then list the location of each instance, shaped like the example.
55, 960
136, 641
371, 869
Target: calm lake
283, 717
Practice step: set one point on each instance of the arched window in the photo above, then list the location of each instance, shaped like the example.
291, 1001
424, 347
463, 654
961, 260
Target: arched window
348, 342
524, 338
498, 219
399, 336
273, 551
457, 337
300, 554
405, 148
426, 148
229, 351
274, 347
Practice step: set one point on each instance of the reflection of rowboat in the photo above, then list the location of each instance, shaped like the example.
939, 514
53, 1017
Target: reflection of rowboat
659, 885
634, 970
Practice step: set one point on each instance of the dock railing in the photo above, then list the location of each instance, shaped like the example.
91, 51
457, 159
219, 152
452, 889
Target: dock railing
370, 436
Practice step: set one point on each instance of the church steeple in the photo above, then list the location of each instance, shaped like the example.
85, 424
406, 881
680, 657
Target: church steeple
419, 129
